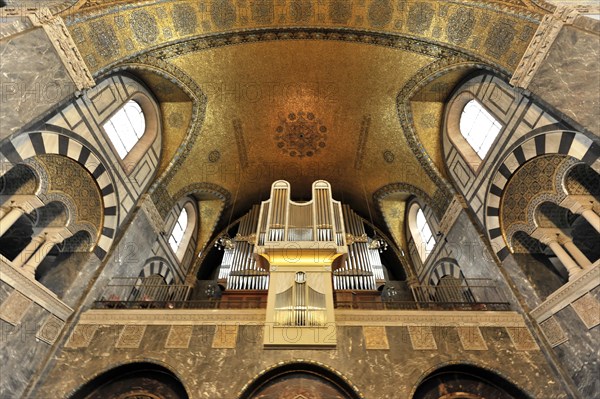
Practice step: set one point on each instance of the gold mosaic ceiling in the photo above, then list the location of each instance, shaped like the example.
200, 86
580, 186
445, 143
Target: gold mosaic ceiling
308, 89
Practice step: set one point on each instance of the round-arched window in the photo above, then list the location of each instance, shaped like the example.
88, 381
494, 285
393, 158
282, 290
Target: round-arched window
183, 230
420, 231
479, 127
126, 127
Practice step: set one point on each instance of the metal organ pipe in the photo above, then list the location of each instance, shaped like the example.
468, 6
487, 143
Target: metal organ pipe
320, 220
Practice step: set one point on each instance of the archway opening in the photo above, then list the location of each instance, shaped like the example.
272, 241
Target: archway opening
134, 381
303, 380
466, 382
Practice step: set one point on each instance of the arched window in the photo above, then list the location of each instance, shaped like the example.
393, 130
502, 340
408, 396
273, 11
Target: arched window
178, 230
182, 231
425, 231
478, 127
420, 231
126, 127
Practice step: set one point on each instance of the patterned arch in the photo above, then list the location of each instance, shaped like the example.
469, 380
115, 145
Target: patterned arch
27, 145
158, 266
575, 144
445, 267
423, 197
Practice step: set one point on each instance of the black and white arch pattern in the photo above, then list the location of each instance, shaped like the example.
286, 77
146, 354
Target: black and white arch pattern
445, 267
27, 145
575, 144
158, 266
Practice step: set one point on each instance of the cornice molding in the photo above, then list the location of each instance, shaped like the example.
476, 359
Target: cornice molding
34, 290
581, 284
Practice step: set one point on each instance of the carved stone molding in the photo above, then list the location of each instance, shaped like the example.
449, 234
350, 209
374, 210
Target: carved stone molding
421, 338
540, 45
225, 337
33, 290
173, 317
156, 220
14, 307
471, 338
375, 338
179, 337
588, 310
428, 318
580, 285
553, 332
61, 39
82, 336
50, 330
522, 339
451, 214
131, 336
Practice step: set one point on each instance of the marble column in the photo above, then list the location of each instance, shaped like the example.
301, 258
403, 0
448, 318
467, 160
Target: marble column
10, 218
576, 253
44, 243
16, 206
551, 237
583, 205
29, 250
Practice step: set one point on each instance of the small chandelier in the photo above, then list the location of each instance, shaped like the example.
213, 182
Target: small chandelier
224, 242
378, 243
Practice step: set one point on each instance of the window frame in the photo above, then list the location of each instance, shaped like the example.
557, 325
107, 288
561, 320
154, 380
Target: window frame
150, 112
453, 119
416, 233
188, 232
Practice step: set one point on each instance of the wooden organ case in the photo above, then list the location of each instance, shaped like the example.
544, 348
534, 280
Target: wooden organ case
301, 252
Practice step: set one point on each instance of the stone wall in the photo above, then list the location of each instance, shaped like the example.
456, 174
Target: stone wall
387, 359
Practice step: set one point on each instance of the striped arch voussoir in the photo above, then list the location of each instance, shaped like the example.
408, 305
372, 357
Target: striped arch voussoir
574, 144
158, 266
27, 145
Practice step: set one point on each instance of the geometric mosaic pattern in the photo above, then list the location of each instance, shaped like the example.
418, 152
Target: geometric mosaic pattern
225, 336
25, 146
553, 331
130, 337
576, 145
421, 338
471, 338
522, 339
179, 337
588, 310
375, 337
14, 307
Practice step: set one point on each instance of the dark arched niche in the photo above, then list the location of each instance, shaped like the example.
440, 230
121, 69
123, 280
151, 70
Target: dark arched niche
135, 380
304, 380
466, 382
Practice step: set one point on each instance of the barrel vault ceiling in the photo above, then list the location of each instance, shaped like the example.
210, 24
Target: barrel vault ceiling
351, 91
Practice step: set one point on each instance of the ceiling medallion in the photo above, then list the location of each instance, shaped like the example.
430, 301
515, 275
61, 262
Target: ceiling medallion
301, 135
388, 156
214, 156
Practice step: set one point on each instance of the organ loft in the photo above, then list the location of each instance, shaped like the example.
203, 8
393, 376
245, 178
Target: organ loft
299, 199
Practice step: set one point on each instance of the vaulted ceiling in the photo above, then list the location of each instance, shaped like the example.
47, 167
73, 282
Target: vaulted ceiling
348, 91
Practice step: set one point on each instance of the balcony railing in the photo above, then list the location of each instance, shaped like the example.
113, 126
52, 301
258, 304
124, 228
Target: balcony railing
194, 304
471, 294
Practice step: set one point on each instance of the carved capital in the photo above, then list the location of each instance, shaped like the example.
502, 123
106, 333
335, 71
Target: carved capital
578, 203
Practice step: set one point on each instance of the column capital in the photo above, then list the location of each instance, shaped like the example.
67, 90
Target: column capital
547, 235
55, 235
26, 202
578, 203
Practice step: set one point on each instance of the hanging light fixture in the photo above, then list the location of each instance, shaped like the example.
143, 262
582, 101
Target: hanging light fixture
378, 243
224, 242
